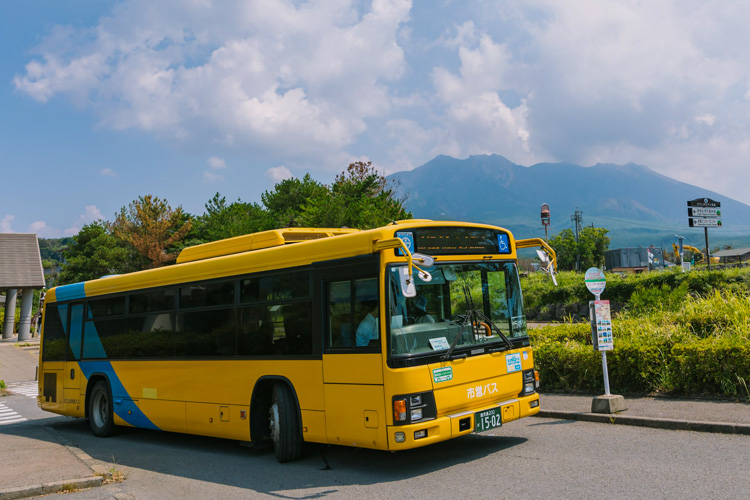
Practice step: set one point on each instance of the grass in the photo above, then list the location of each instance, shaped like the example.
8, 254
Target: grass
690, 335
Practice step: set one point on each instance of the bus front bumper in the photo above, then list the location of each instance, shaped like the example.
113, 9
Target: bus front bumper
404, 437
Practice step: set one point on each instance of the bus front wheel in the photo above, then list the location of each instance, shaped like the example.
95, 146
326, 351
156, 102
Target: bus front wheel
284, 424
100, 410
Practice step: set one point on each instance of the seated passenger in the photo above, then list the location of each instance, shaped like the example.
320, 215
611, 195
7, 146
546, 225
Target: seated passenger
368, 327
420, 310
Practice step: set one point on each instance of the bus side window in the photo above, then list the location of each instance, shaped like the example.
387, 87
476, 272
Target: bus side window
339, 315
349, 303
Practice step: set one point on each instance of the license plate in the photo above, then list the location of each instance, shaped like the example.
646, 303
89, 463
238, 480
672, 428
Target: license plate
487, 419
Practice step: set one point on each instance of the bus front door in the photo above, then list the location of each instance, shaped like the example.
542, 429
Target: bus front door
72, 374
353, 365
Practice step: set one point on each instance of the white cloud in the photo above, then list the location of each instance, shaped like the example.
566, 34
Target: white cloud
216, 163
108, 172
706, 119
278, 174
271, 74
212, 176
476, 119
91, 214
5, 224
42, 230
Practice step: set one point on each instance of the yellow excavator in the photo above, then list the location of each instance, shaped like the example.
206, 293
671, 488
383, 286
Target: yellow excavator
697, 254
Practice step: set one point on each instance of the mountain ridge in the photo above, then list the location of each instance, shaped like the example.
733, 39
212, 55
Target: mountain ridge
633, 201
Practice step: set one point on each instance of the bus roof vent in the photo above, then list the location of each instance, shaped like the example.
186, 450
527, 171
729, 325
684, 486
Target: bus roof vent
258, 241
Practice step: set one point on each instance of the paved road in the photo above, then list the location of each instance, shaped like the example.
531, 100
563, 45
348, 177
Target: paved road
535, 458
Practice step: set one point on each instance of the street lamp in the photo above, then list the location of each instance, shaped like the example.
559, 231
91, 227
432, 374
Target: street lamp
545, 219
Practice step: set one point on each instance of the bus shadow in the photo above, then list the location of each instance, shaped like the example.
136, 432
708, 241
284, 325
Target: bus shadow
322, 467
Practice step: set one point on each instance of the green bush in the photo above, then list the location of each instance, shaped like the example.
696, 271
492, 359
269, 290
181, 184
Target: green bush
645, 299
669, 342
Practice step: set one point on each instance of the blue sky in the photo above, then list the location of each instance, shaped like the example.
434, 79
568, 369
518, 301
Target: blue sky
103, 101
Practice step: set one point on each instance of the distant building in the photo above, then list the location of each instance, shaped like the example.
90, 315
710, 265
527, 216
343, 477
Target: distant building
633, 260
733, 255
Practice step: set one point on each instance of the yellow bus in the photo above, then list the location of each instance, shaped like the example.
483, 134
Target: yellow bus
391, 338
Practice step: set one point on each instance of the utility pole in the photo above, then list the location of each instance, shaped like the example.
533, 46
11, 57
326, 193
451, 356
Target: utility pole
682, 261
578, 219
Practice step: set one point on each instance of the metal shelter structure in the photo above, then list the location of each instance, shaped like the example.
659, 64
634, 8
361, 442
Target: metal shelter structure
20, 270
739, 255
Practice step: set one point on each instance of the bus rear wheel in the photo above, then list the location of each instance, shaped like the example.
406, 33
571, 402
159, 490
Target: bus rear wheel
284, 424
100, 410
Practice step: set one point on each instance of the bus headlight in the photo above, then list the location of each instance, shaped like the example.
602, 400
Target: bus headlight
417, 407
529, 382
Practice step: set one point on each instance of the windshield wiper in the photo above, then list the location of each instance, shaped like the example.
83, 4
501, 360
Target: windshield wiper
473, 317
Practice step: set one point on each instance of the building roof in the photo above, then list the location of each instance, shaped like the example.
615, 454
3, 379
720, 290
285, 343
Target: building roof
733, 252
20, 262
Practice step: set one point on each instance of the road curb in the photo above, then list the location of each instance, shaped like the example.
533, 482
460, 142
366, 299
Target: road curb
66, 485
653, 422
53, 487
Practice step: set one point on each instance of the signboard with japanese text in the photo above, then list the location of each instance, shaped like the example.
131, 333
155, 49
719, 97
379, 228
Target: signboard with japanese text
704, 203
700, 222
595, 280
703, 212
601, 325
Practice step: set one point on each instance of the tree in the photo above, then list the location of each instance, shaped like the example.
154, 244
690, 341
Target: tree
151, 226
94, 253
227, 221
592, 243
359, 198
285, 204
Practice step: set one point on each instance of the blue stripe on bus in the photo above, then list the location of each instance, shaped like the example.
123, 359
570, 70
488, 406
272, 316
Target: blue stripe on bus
127, 409
70, 292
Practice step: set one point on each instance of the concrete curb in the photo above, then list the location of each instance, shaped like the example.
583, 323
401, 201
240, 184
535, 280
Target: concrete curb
54, 487
653, 422
100, 471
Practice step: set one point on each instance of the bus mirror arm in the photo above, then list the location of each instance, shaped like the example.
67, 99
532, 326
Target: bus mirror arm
545, 253
405, 273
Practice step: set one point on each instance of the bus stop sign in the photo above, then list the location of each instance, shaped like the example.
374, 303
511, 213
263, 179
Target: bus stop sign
595, 281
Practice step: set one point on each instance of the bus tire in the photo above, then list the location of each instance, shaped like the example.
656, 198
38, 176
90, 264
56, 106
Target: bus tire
100, 410
284, 424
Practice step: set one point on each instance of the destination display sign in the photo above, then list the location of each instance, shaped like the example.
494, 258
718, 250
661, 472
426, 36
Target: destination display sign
698, 222
455, 241
703, 212
704, 202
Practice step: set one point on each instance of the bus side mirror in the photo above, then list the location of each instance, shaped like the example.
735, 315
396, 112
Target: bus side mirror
407, 282
423, 260
547, 266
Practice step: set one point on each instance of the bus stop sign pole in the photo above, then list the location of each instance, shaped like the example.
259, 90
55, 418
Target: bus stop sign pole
601, 334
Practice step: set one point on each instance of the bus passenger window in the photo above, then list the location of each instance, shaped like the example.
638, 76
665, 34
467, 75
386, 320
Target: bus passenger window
368, 312
340, 315
353, 312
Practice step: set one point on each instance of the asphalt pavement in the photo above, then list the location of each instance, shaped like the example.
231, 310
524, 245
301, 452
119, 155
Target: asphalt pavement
37, 460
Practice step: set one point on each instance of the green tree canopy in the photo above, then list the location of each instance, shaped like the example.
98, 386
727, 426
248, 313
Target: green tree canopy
286, 203
359, 198
592, 243
223, 220
94, 253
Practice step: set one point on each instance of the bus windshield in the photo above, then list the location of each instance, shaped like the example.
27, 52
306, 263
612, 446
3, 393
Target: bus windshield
430, 321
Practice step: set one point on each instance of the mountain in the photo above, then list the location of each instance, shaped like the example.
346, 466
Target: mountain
639, 206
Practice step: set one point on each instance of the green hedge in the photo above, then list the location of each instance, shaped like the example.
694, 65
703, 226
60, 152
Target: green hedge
715, 367
702, 348
538, 289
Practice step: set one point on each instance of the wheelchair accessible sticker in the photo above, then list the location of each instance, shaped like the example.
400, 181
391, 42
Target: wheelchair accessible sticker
502, 243
513, 362
442, 374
